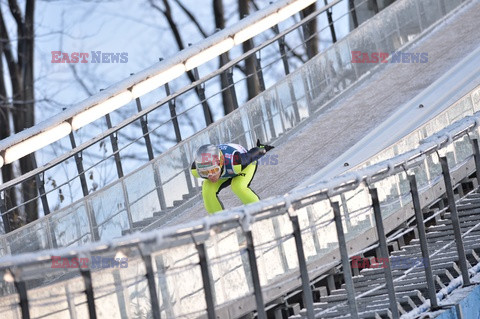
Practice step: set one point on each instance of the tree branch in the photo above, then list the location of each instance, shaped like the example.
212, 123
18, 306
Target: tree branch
15, 10
80, 80
167, 13
6, 48
192, 18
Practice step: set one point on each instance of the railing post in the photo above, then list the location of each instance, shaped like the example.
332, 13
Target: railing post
40, 181
443, 9
347, 272
79, 162
207, 281
278, 237
163, 286
462, 259
258, 67
146, 134
257, 288
353, 11
231, 88
22, 294
306, 35
87, 279
3, 211
330, 23
178, 135
114, 142
201, 94
121, 295
173, 114
313, 229
423, 242
476, 156
71, 303
92, 221
159, 187
147, 260
382, 240
293, 98
306, 289
281, 44
283, 53
225, 90
375, 6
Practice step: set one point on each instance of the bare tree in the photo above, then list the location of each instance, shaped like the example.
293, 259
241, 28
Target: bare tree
167, 13
219, 15
18, 109
250, 70
310, 32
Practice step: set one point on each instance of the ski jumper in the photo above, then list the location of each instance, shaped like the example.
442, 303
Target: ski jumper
238, 170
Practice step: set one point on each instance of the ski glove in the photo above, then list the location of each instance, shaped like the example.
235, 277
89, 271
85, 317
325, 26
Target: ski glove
266, 147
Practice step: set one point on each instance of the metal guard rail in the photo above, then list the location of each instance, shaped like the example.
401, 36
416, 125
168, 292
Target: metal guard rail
199, 232
77, 151
4, 144
189, 58
53, 128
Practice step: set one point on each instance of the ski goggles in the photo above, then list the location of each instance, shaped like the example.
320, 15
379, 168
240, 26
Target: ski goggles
208, 172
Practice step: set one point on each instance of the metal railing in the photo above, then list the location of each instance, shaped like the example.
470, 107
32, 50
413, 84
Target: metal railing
230, 264
172, 125
330, 75
268, 116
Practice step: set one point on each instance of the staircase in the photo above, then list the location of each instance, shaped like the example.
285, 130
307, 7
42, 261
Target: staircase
410, 289
141, 224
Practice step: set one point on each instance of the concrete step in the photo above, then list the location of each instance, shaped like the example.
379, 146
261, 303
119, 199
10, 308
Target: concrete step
412, 288
379, 312
341, 294
447, 218
163, 212
369, 283
447, 226
470, 205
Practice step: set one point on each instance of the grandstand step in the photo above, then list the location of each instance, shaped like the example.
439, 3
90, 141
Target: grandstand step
341, 295
470, 241
411, 288
369, 283
447, 226
468, 206
442, 233
379, 312
446, 220
188, 196
139, 225
144, 222
163, 212
379, 272
362, 307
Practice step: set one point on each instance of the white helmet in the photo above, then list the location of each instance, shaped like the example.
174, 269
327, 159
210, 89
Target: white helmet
208, 160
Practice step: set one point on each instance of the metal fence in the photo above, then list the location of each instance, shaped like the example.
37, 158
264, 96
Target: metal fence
283, 107
171, 114
110, 212
233, 263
